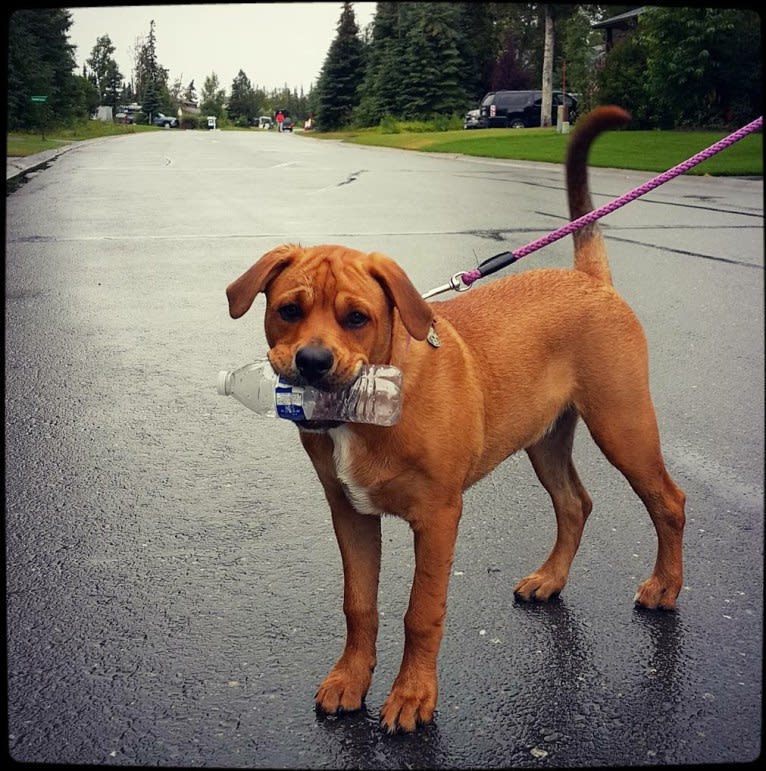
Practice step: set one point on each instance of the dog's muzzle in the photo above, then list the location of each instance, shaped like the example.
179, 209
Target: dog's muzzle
313, 362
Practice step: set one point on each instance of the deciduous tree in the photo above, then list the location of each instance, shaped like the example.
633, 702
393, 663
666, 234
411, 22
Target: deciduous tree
213, 97
702, 64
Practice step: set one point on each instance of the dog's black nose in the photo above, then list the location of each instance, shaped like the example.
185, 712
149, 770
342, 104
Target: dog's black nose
313, 362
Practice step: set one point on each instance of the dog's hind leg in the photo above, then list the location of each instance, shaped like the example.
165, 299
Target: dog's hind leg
551, 459
627, 433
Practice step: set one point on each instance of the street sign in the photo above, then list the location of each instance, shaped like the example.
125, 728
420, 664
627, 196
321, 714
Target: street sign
39, 98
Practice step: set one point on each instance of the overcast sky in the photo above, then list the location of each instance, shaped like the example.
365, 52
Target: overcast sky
275, 44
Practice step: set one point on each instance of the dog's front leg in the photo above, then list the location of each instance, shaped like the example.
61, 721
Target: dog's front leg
358, 535
413, 697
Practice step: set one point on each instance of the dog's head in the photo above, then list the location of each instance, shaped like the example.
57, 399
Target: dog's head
329, 310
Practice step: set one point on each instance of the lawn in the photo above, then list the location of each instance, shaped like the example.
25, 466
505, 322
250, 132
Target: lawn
654, 151
21, 144
639, 150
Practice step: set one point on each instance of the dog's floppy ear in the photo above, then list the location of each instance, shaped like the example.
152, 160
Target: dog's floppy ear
416, 314
242, 291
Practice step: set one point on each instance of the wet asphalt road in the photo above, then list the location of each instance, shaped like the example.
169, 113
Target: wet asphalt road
174, 589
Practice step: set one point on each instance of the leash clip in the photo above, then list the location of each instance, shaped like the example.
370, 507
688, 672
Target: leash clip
456, 284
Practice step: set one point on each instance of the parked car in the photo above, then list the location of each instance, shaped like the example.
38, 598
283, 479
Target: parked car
164, 121
471, 120
287, 123
127, 113
122, 116
265, 122
521, 109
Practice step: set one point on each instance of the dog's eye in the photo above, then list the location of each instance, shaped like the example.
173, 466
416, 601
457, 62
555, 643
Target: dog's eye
355, 320
290, 312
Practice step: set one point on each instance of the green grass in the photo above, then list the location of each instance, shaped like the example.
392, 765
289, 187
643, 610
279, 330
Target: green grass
20, 144
653, 151
640, 150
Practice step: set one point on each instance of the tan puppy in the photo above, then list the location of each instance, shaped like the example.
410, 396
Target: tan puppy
562, 341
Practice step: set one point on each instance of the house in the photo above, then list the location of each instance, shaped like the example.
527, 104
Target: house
618, 27
190, 107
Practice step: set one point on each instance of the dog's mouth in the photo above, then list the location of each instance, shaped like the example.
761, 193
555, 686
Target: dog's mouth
331, 382
320, 426
317, 426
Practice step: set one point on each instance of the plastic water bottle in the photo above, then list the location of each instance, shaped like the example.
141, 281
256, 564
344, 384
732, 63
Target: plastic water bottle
374, 397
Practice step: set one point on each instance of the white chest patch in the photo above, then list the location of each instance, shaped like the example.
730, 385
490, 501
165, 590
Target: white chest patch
342, 455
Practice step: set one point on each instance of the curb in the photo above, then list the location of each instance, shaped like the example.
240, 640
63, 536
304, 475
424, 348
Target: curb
17, 167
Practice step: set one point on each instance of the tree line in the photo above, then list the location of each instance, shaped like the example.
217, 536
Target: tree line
425, 61
681, 68
41, 62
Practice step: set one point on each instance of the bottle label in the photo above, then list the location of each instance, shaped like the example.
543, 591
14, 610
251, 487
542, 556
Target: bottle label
289, 402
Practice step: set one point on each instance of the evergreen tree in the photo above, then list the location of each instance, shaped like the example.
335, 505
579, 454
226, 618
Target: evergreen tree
107, 77
478, 45
151, 79
127, 95
427, 58
379, 91
695, 67
341, 75
113, 81
243, 106
41, 63
151, 104
431, 83
295, 104
87, 96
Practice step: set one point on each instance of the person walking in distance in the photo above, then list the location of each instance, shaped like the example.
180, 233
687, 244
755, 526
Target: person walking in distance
280, 120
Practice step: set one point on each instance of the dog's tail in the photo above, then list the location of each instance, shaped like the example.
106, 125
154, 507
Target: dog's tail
590, 252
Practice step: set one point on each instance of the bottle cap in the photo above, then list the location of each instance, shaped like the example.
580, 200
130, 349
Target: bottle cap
223, 378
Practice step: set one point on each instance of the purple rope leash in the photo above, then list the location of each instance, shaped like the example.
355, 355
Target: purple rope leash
463, 281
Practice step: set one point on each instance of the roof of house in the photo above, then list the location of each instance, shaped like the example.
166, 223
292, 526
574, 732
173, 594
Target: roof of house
618, 21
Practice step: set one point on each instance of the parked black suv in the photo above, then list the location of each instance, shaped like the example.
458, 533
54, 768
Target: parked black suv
520, 109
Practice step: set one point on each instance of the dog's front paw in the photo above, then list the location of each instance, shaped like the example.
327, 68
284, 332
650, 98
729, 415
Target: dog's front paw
343, 690
539, 587
655, 594
410, 703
